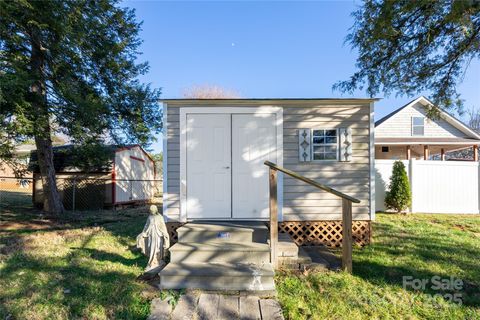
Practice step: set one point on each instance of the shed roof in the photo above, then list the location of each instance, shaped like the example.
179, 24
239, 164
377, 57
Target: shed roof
72, 158
267, 100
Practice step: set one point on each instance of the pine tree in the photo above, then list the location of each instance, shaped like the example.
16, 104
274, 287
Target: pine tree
70, 67
409, 47
399, 197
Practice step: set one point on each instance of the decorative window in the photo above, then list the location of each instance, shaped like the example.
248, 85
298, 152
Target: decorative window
385, 149
325, 144
418, 126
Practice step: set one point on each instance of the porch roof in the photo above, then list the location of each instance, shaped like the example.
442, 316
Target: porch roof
427, 141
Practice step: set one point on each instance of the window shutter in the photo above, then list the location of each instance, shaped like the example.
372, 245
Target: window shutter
304, 149
345, 144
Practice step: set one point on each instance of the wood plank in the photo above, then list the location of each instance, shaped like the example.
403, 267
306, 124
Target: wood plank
273, 217
287, 153
208, 306
347, 235
306, 180
346, 189
270, 310
355, 160
320, 196
327, 110
228, 307
185, 308
345, 180
250, 308
325, 117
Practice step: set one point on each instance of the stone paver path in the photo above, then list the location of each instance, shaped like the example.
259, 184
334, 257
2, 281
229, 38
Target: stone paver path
206, 306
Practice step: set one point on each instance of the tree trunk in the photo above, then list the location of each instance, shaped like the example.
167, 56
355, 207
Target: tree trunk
42, 131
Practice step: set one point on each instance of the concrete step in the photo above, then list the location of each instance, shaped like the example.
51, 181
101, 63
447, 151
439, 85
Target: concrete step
222, 231
220, 251
218, 276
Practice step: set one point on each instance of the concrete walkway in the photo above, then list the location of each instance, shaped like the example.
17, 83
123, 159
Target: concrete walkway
217, 306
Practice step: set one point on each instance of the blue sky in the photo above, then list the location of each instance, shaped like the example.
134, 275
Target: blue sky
259, 49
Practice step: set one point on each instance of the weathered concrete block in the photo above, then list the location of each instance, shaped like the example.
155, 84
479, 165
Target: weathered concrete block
160, 310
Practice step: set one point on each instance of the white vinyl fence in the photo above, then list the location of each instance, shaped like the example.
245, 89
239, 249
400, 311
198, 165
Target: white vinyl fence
437, 186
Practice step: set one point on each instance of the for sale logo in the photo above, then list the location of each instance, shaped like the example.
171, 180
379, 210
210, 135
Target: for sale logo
437, 283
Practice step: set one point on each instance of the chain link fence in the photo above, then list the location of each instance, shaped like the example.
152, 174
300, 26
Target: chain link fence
80, 193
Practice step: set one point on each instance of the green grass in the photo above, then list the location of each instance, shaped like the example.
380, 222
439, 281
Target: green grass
81, 267
420, 246
84, 266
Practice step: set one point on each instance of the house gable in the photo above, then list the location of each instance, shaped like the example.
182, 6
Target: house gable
399, 123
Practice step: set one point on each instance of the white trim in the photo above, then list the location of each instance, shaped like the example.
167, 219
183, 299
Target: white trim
279, 127
165, 162
278, 111
372, 161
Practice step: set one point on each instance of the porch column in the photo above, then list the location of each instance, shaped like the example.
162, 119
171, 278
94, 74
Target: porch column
442, 154
425, 152
475, 153
409, 153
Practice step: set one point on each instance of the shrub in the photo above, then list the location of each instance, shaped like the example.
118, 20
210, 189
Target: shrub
399, 197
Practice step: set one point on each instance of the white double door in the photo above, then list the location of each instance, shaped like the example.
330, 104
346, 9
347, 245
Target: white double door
226, 177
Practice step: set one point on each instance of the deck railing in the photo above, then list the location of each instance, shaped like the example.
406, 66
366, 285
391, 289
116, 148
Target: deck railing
346, 214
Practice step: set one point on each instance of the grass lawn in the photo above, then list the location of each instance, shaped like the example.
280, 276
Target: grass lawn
82, 267
86, 267
419, 246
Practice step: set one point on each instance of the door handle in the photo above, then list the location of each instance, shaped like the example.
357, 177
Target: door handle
227, 167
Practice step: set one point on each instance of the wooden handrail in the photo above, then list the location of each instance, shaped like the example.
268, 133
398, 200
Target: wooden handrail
347, 238
311, 182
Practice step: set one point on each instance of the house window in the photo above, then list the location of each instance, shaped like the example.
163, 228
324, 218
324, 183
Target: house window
325, 144
418, 126
385, 149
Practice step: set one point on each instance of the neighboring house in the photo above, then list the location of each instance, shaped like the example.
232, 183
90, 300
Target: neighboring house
10, 171
21, 154
214, 154
126, 177
408, 133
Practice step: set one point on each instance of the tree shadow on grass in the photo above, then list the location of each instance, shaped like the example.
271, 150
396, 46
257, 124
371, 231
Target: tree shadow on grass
412, 254
85, 283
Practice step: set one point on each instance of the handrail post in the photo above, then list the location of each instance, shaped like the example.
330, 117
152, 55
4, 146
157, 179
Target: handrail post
347, 235
273, 217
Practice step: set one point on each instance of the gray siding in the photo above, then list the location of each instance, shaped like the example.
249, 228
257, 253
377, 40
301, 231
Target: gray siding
172, 199
301, 202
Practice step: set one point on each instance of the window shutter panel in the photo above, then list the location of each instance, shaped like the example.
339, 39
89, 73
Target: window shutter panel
304, 148
345, 136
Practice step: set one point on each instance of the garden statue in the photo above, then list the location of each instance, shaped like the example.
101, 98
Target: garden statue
154, 239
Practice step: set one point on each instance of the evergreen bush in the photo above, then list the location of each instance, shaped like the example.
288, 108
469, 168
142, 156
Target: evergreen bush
399, 197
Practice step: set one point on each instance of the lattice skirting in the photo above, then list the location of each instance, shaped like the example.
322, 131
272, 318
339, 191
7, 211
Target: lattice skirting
326, 233
309, 233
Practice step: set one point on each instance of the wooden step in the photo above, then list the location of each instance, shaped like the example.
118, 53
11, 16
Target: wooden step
218, 276
219, 251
